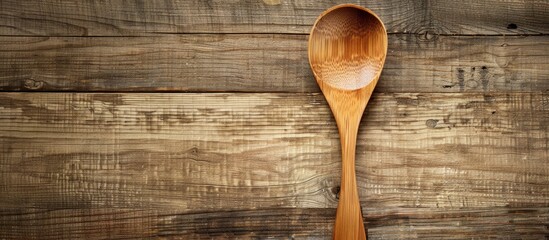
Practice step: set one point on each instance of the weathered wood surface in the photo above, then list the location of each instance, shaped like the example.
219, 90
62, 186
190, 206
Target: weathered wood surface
434, 165
455, 145
259, 63
280, 223
122, 18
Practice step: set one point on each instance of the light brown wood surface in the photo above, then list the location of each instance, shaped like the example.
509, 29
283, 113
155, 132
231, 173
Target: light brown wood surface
137, 18
427, 166
264, 63
233, 138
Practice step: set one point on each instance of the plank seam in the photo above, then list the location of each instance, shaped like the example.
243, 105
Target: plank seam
263, 33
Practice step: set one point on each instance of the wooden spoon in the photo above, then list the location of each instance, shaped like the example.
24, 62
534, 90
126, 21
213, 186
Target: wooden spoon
347, 49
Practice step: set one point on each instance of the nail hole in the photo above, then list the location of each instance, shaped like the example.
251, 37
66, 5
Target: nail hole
512, 26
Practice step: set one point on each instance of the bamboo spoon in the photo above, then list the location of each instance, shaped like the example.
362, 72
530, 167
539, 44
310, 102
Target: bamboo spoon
347, 49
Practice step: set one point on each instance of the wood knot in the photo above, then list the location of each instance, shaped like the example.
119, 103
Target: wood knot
427, 35
335, 191
32, 84
426, 31
431, 123
193, 151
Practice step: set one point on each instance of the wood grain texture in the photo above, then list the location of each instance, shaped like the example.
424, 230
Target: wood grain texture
347, 49
111, 166
202, 152
122, 18
261, 63
282, 223
455, 146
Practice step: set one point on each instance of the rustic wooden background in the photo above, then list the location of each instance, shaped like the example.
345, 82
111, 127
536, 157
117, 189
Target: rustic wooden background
201, 119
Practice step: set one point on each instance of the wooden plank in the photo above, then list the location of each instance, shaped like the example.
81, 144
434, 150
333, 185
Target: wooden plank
400, 223
122, 18
264, 63
207, 152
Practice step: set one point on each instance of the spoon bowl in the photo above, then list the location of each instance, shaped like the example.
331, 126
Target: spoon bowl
347, 49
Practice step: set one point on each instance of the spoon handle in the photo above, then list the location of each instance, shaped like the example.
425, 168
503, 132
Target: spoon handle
348, 223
